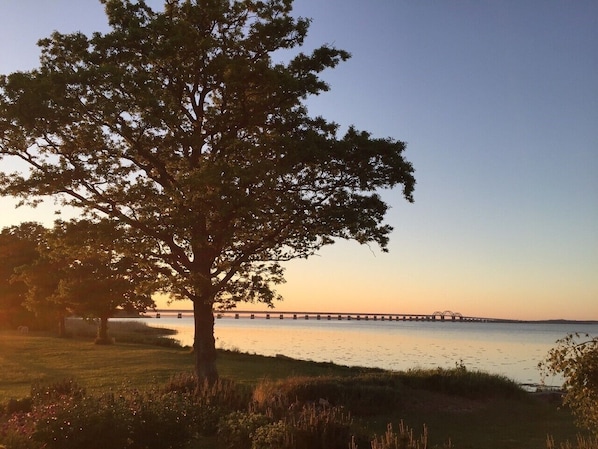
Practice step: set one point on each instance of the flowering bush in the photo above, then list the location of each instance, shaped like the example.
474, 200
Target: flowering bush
66, 419
277, 435
236, 430
89, 422
16, 431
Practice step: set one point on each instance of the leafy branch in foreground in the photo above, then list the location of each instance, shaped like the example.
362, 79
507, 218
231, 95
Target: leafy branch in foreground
576, 358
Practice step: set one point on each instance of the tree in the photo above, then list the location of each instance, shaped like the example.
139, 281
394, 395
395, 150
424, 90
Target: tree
18, 248
75, 267
28, 279
180, 125
41, 277
576, 358
97, 278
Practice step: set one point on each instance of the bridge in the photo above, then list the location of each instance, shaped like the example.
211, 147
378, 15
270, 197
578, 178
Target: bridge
437, 316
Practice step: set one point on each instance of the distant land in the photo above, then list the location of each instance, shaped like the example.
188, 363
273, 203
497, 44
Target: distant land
562, 321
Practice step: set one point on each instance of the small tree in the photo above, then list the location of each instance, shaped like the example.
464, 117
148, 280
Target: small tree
181, 126
15, 251
97, 277
27, 279
75, 267
576, 358
41, 278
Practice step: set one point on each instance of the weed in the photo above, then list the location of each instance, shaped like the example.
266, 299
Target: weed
582, 442
401, 439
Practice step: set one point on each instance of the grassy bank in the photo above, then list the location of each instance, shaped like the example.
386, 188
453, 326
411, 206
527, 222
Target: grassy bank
134, 359
469, 409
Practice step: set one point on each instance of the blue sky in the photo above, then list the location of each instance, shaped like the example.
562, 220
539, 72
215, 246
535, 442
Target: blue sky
498, 103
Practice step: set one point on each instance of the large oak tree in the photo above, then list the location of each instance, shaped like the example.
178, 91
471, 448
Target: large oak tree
184, 126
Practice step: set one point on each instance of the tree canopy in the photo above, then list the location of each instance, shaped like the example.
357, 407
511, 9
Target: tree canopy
182, 126
19, 247
74, 268
97, 277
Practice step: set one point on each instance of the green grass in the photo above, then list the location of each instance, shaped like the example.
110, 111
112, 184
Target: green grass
34, 357
26, 359
472, 410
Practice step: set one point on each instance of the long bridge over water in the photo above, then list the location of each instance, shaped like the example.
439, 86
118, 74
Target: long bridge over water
439, 316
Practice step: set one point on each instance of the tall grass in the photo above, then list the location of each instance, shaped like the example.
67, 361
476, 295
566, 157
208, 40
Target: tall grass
375, 393
363, 394
123, 331
463, 382
581, 442
403, 438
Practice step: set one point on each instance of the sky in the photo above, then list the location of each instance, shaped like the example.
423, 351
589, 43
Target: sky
498, 105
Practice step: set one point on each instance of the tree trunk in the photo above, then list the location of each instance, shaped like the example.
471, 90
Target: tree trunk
204, 344
102, 338
61, 326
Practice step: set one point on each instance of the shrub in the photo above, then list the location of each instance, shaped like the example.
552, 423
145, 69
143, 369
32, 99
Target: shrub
185, 383
225, 393
17, 430
277, 435
462, 382
321, 428
84, 423
18, 406
309, 427
576, 358
363, 395
160, 421
48, 393
211, 401
236, 430
62, 417
24, 415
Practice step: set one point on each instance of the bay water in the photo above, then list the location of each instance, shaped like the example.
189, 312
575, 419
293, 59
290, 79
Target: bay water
512, 349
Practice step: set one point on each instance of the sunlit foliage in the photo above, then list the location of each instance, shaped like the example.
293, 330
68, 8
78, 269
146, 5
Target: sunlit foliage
76, 267
576, 358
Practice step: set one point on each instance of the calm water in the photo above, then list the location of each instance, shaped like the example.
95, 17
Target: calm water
511, 349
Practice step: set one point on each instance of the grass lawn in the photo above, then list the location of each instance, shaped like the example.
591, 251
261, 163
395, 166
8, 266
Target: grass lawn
485, 420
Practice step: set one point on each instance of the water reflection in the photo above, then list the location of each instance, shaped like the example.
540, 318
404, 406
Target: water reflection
513, 350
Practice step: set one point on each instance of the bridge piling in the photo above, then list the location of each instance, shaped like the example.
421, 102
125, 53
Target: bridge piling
439, 317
